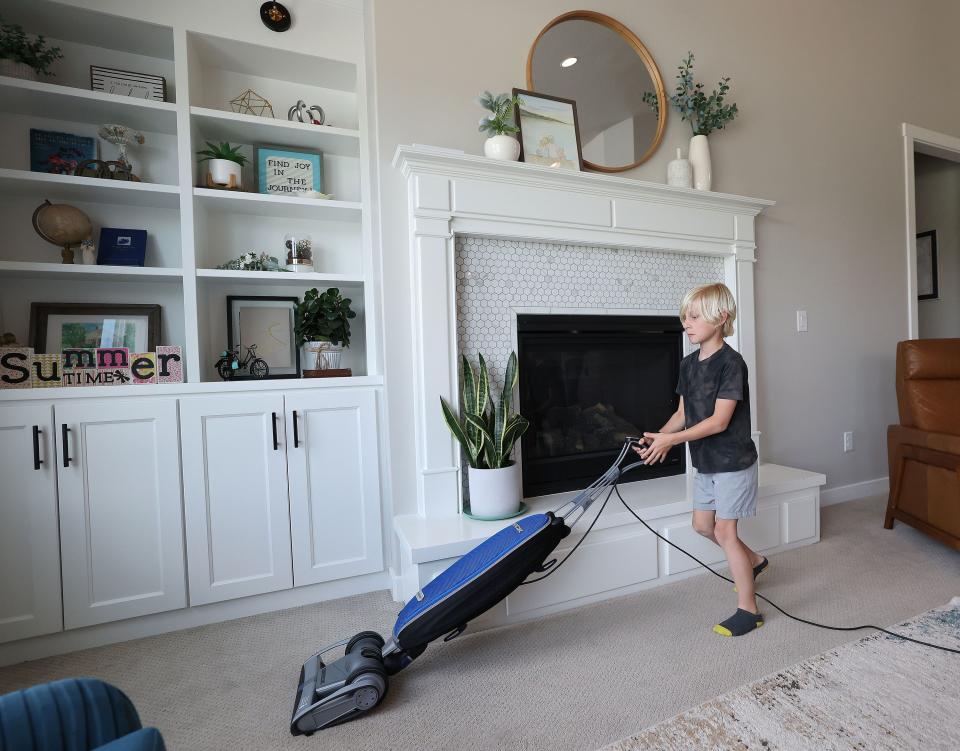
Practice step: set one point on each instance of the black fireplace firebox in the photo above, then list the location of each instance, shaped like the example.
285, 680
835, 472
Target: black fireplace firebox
587, 382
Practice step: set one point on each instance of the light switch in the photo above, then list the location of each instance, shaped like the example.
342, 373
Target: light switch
801, 320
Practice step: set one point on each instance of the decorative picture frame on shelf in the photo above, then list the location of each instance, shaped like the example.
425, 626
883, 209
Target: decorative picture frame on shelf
268, 323
549, 130
58, 326
59, 153
287, 172
928, 287
128, 83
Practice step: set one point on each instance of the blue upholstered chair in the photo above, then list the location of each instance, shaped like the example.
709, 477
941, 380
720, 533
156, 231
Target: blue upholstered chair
75, 714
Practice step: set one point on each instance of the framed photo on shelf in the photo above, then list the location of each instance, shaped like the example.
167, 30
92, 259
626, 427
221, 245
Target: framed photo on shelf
285, 172
59, 153
57, 326
549, 131
128, 83
927, 283
268, 324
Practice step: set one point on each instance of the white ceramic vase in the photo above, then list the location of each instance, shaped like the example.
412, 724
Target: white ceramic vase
679, 172
14, 69
221, 171
506, 148
700, 161
495, 492
321, 355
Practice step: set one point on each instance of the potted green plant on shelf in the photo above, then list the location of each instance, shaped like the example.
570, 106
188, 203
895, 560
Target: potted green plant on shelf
499, 126
322, 327
225, 163
22, 57
487, 431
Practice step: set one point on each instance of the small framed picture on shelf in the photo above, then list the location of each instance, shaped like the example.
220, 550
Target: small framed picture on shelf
59, 153
285, 172
55, 327
122, 247
549, 131
263, 327
128, 83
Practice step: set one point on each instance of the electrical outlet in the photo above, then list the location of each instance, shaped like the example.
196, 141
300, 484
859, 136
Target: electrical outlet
848, 441
801, 320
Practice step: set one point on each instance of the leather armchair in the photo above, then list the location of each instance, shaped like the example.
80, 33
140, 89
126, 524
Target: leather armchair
924, 449
76, 714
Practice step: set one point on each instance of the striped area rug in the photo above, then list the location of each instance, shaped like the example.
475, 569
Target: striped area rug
874, 694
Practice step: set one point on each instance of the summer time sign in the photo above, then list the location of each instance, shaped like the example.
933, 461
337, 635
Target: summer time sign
21, 368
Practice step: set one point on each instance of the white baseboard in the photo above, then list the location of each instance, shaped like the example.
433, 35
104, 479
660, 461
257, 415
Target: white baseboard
844, 493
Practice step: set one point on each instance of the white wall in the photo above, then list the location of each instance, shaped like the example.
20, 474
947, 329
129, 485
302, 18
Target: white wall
938, 208
822, 87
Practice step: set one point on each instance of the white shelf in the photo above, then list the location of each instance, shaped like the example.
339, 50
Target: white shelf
217, 125
41, 99
233, 201
28, 270
92, 189
259, 278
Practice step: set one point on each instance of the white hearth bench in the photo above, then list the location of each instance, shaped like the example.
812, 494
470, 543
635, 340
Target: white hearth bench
451, 194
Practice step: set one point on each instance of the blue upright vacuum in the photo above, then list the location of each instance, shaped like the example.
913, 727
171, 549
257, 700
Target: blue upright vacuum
355, 683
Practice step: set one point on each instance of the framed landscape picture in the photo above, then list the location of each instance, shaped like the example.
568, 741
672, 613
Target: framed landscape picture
284, 172
549, 131
268, 324
58, 326
927, 284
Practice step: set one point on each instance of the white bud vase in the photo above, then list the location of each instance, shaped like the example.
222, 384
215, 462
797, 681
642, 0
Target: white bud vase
679, 172
506, 148
700, 161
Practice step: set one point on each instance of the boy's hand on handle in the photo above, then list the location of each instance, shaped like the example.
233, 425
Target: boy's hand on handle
658, 444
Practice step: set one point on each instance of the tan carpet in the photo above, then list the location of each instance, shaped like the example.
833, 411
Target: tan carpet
579, 680
879, 693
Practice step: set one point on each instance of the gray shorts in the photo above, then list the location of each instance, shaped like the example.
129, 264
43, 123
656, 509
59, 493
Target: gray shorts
733, 495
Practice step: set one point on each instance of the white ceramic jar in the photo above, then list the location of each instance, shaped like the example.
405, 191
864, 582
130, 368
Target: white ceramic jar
505, 148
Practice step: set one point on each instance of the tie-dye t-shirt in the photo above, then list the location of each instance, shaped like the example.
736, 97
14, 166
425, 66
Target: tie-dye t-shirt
723, 375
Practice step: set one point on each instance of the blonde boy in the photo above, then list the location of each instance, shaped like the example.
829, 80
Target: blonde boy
714, 416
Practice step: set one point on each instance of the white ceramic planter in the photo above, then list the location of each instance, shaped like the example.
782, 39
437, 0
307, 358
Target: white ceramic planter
221, 170
506, 148
495, 492
320, 356
700, 161
14, 69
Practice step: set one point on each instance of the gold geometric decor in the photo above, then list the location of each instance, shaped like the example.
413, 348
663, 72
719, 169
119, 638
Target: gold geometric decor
251, 103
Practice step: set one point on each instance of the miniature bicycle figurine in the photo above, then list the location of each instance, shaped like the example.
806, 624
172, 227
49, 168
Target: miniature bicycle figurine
230, 364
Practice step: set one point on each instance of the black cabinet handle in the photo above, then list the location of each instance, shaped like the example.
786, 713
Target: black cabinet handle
37, 461
296, 431
276, 444
66, 448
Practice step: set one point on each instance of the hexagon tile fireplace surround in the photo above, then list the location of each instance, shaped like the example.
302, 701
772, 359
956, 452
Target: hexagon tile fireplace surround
532, 215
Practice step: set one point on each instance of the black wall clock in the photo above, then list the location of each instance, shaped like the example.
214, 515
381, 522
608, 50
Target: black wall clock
275, 16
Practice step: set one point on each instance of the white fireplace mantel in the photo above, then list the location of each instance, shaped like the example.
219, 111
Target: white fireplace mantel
451, 193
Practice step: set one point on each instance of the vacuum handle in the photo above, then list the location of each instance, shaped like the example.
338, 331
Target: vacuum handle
65, 431
296, 431
37, 461
276, 443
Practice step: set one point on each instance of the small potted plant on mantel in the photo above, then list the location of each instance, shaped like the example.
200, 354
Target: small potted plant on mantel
499, 126
22, 58
488, 431
322, 327
225, 163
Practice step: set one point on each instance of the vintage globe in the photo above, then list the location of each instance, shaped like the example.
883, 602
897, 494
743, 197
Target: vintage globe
63, 225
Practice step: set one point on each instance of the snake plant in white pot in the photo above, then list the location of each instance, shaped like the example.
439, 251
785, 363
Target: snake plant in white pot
488, 431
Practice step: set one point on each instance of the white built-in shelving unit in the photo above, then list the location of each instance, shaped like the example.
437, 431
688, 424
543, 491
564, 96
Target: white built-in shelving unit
191, 228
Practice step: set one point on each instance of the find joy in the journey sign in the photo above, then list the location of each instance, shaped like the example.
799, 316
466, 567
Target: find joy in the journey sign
281, 172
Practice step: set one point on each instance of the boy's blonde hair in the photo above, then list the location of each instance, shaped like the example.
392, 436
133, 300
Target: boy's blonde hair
714, 299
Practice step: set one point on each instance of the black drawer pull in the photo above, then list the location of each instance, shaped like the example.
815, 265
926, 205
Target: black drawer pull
296, 431
66, 449
276, 444
37, 461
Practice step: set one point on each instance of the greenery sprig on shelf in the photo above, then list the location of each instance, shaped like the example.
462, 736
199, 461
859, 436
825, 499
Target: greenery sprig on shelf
253, 262
222, 151
500, 120
705, 113
16, 45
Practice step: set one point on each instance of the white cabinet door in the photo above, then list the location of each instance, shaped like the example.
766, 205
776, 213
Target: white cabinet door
29, 535
333, 469
235, 492
121, 524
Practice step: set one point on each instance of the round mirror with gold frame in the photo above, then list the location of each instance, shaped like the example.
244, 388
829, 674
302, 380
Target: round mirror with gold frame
602, 65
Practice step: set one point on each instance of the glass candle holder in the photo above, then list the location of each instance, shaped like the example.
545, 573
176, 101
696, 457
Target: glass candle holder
299, 247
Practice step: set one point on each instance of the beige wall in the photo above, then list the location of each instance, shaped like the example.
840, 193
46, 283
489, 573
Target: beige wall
938, 208
823, 87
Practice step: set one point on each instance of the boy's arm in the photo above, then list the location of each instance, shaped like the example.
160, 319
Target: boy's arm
660, 443
676, 421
